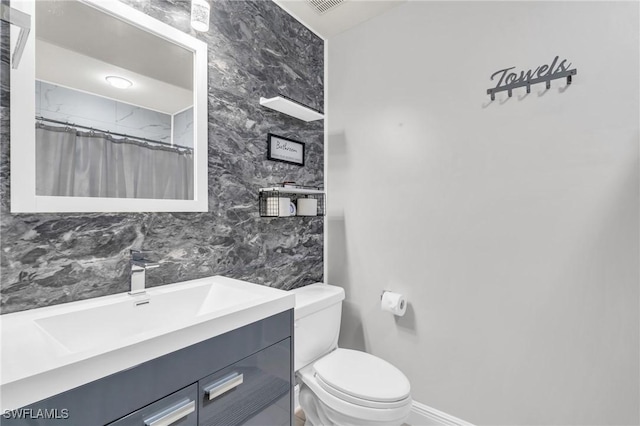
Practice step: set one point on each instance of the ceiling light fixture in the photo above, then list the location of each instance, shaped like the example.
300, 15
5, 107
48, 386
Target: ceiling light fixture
118, 82
200, 15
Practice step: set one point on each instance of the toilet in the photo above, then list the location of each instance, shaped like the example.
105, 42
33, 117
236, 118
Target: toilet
341, 386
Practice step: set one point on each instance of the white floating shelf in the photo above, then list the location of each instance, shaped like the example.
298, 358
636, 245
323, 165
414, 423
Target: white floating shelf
291, 190
289, 107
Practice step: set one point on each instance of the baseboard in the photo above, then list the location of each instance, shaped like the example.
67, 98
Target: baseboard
423, 415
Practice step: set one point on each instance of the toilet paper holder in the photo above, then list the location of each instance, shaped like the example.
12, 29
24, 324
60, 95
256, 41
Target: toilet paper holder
401, 307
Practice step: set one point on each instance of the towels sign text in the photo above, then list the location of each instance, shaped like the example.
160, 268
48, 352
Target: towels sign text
509, 80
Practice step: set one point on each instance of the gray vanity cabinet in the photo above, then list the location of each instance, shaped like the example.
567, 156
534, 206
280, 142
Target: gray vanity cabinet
246, 389
177, 409
243, 377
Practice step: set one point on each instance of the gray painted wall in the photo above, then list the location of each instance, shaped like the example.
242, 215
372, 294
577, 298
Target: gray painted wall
511, 226
255, 49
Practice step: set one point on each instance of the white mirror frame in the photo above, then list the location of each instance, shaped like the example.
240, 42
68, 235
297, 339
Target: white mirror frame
23, 154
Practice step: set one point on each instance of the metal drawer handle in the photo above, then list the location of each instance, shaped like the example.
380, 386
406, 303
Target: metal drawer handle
172, 414
223, 385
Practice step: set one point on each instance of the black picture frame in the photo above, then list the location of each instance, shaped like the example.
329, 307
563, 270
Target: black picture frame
275, 154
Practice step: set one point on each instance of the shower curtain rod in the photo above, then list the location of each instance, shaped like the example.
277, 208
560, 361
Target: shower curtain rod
79, 126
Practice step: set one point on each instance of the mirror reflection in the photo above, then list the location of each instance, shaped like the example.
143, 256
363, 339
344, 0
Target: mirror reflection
114, 107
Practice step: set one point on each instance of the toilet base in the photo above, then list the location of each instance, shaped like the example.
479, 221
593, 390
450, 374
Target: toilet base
318, 413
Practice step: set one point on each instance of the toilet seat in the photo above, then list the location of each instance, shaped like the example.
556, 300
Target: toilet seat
364, 415
358, 401
361, 378
340, 392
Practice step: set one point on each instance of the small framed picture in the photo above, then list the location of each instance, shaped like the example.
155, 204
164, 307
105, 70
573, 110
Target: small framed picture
284, 149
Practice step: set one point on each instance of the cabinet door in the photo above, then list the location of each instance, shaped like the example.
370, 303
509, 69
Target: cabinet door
255, 389
277, 414
177, 409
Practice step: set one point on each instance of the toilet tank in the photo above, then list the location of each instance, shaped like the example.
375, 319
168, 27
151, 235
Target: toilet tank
317, 313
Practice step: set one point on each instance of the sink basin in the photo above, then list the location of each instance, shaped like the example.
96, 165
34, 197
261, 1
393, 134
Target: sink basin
160, 309
47, 351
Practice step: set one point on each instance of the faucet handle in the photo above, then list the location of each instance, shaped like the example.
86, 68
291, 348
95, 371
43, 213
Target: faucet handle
138, 254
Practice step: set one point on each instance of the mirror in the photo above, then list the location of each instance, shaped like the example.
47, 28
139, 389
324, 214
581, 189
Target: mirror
110, 113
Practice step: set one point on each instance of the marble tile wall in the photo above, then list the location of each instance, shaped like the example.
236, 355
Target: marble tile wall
255, 49
183, 128
71, 106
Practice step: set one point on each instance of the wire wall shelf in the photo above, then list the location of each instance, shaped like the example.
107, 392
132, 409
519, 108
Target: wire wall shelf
285, 201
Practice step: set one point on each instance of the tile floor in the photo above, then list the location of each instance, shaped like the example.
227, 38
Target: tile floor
300, 419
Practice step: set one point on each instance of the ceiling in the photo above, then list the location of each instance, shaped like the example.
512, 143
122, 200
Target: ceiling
340, 18
77, 46
64, 67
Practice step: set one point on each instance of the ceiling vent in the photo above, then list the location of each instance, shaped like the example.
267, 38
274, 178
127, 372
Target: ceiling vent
323, 6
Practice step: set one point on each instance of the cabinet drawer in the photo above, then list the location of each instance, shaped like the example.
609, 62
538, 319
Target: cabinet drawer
177, 409
240, 392
277, 414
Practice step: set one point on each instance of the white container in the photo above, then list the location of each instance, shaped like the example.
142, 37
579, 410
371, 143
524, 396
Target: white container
279, 206
307, 207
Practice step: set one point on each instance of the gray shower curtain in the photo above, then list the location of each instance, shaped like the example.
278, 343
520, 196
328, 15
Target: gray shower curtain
85, 164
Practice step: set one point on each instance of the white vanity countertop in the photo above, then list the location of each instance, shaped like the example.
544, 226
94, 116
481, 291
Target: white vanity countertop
49, 350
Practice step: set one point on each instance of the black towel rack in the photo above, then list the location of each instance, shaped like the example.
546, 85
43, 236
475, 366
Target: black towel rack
545, 79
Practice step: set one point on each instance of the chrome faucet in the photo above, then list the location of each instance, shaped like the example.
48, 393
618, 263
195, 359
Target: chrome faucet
139, 265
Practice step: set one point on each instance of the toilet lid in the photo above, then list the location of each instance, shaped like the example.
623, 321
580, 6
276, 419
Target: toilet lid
363, 376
